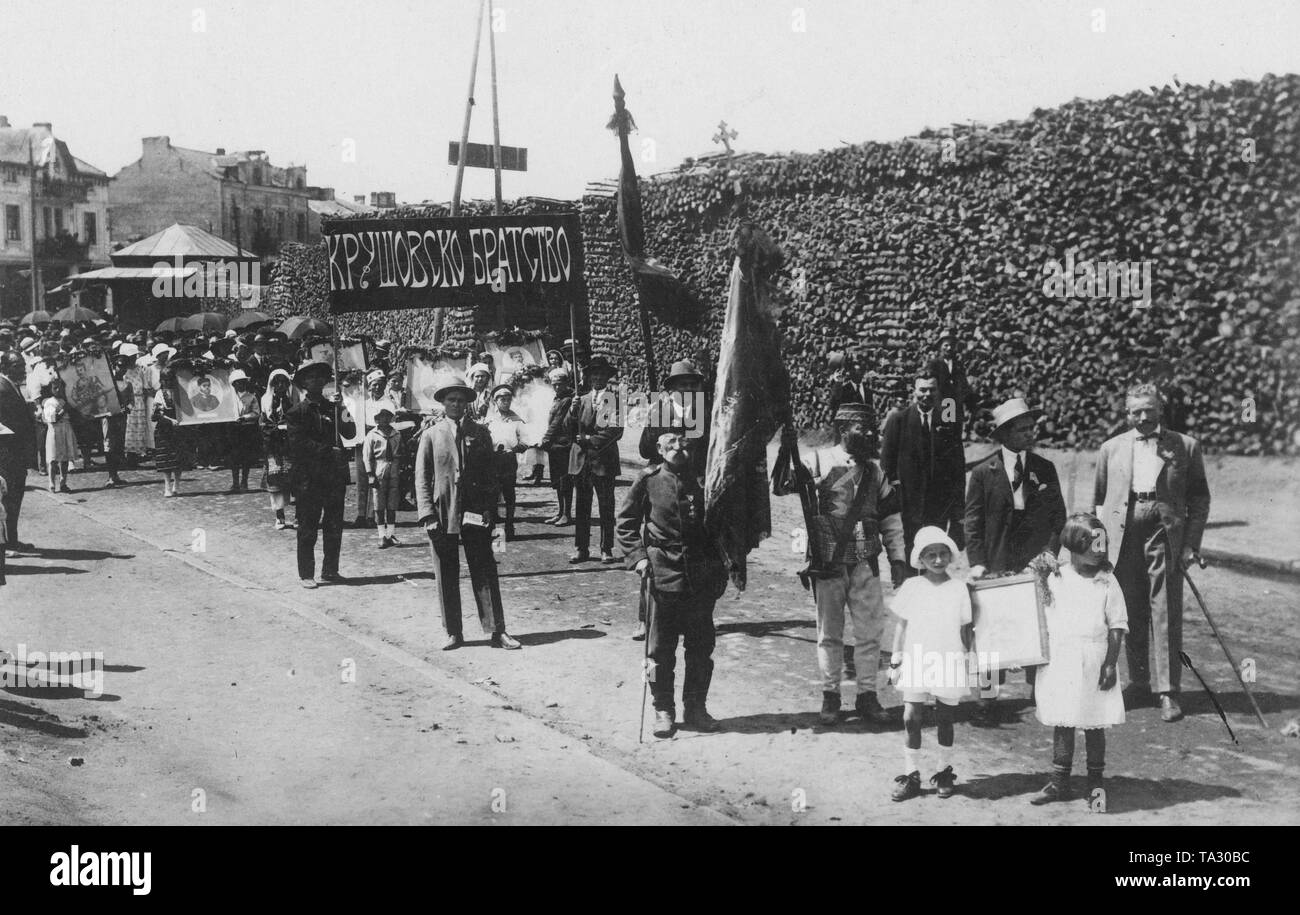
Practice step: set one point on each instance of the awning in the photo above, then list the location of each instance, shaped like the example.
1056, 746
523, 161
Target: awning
133, 273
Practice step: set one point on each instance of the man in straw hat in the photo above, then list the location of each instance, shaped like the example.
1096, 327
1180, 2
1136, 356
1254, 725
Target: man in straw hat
1014, 510
456, 491
1153, 498
320, 472
858, 508
595, 425
682, 408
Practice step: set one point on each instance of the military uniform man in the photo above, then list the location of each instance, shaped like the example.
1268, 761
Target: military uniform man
661, 529
320, 472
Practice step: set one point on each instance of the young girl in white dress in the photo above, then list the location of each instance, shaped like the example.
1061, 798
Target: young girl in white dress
929, 656
60, 440
1086, 622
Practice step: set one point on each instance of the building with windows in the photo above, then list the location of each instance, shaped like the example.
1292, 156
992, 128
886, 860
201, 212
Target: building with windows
240, 197
53, 201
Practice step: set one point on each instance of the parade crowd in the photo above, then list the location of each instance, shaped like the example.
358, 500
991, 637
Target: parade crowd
898, 491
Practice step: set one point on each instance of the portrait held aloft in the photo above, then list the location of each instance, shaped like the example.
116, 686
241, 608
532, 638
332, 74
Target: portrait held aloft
91, 389
205, 397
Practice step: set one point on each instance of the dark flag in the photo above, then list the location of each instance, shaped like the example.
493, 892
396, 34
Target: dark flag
631, 226
751, 401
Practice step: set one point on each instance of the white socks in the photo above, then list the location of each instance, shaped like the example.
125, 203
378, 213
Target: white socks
911, 760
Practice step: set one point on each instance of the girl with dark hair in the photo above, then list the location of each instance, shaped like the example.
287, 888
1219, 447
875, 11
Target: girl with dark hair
1086, 622
166, 433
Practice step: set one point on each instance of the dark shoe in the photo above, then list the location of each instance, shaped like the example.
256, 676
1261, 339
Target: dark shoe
21, 545
607, 557
638, 634
697, 718
384, 544
331, 577
664, 725
1169, 710
1058, 789
944, 780
830, 713
501, 640
869, 709
580, 556
906, 787
453, 642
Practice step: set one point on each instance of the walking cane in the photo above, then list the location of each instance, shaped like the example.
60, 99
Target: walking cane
1187, 662
647, 606
1226, 653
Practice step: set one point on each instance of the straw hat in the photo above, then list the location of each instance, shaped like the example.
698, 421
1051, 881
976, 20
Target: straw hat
1011, 409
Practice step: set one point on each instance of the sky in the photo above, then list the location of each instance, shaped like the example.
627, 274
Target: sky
368, 93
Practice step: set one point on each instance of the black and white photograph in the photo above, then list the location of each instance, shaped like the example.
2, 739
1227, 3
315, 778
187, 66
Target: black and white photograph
686, 413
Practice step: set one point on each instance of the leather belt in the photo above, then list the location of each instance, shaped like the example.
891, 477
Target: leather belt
1142, 496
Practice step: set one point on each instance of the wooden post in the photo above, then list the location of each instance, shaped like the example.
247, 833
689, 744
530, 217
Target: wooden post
496, 121
31, 166
460, 164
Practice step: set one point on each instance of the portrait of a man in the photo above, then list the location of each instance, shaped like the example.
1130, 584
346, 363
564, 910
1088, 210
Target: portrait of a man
204, 400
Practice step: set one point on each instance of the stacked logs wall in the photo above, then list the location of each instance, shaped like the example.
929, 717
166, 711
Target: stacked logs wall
887, 243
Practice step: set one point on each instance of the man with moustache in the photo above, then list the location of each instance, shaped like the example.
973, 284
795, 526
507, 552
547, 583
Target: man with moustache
1153, 498
858, 508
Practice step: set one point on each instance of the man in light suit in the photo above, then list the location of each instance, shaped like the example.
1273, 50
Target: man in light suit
1152, 496
595, 427
1014, 513
922, 456
456, 492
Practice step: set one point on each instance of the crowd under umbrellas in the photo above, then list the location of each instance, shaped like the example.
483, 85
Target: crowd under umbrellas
281, 399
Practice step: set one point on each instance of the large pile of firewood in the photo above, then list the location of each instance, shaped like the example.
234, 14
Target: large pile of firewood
1185, 199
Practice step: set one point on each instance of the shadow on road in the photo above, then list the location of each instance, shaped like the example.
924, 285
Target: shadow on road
533, 639
11, 569
80, 555
1122, 793
29, 718
762, 628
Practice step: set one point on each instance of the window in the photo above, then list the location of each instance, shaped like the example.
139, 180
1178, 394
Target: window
302, 226
10, 175
91, 235
257, 174
257, 217
58, 219
13, 223
279, 224
300, 184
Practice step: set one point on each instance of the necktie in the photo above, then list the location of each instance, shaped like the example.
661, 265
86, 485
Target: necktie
1018, 478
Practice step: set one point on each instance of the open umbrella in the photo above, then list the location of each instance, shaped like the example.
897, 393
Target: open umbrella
171, 326
75, 314
296, 328
249, 319
35, 317
209, 322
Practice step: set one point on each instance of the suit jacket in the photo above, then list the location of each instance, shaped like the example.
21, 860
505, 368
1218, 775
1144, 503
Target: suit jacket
446, 487
697, 437
989, 504
953, 386
318, 463
930, 485
844, 391
17, 451
1182, 493
596, 414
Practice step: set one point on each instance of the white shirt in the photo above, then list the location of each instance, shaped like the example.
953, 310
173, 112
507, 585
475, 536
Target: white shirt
1146, 463
1009, 465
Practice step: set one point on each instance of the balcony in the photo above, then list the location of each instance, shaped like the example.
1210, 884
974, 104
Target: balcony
62, 248
68, 191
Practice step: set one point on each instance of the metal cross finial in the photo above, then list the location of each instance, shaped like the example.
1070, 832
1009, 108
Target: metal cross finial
725, 136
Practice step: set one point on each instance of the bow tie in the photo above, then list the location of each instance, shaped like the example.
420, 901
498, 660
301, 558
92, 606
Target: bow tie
1154, 436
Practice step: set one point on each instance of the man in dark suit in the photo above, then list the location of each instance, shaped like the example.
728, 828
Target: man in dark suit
456, 489
922, 456
18, 448
661, 529
595, 425
1153, 498
846, 383
1014, 509
319, 471
954, 394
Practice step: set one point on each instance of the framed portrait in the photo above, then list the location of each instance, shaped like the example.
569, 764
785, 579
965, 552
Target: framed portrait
1010, 625
515, 358
92, 391
423, 378
205, 397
